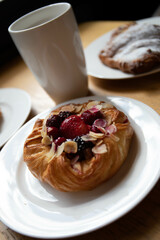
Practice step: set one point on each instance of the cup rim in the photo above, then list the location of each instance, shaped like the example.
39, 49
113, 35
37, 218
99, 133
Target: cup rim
11, 30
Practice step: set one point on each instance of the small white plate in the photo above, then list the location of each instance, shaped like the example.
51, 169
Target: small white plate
35, 209
15, 105
97, 69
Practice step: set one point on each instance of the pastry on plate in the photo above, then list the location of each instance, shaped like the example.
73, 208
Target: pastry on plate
78, 146
133, 48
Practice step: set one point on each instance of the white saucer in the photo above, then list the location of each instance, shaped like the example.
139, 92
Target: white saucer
35, 209
97, 69
15, 105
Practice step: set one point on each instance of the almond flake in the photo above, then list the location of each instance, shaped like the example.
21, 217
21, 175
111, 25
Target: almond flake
100, 122
70, 147
107, 105
102, 130
91, 104
78, 108
111, 129
95, 108
51, 153
100, 149
96, 135
46, 140
88, 137
44, 130
69, 108
60, 150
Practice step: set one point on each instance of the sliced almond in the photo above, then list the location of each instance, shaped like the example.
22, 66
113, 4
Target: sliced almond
52, 151
96, 135
78, 108
46, 140
111, 129
44, 129
107, 105
100, 149
92, 136
88, 137
70, 147
91, 104
102, 130
95, 108
69, 108
43, 132
60, 149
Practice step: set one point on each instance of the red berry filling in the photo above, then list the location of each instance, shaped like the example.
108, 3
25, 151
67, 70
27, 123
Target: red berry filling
53, 131
73, 126
89, 117
59, 141
53, 121
66, 125
56, 120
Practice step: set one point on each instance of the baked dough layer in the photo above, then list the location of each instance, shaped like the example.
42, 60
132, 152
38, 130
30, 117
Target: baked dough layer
68, 175
133, 48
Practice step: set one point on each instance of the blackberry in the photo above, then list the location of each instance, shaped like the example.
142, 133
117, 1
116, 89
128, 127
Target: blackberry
56, 120
89, 144
82, 144
64, 114
53, 121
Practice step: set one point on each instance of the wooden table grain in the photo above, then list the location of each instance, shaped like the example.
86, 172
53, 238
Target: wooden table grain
141, 223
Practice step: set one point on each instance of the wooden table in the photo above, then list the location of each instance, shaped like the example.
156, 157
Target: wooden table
143, 222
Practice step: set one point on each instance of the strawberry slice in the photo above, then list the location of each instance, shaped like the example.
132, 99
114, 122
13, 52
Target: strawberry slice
73, 126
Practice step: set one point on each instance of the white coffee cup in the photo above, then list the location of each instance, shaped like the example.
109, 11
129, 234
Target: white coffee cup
49, 42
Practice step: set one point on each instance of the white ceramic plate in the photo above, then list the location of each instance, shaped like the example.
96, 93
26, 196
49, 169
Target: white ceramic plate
97, 69
15, 105
35, 209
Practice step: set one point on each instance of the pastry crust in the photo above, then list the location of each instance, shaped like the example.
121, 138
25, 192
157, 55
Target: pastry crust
133, 48
66, 174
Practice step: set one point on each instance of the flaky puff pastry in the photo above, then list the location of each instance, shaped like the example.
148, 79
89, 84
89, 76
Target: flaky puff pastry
99, 164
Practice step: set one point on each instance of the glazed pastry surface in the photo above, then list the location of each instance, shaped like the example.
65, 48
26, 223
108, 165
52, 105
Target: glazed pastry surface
133, 48
71, 162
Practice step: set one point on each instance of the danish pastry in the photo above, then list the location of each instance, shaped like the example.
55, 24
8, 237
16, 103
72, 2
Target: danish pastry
78, 146
133, 48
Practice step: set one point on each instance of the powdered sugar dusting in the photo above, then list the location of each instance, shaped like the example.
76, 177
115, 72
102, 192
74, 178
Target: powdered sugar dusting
134, 42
